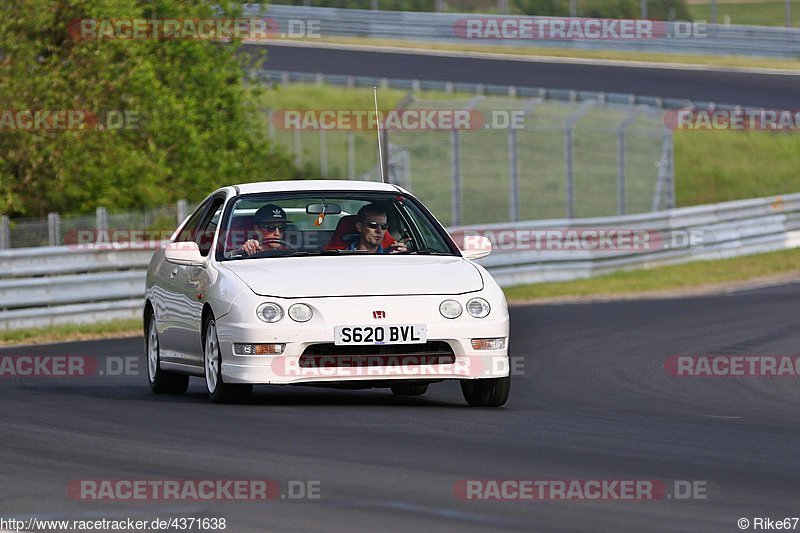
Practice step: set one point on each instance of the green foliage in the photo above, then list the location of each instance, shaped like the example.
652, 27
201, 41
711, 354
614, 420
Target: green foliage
195, 125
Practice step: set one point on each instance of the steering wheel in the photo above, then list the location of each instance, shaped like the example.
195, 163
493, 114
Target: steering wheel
262, 253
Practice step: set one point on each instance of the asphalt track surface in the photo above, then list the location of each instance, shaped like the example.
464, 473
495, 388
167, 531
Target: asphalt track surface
594, 403
778, 91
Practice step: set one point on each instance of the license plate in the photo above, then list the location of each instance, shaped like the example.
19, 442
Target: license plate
397, 334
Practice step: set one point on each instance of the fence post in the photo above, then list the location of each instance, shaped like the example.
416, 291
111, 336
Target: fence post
513, 167
53, 229
181, 207
788, 14
351, 155
644, 9
455, 163
569, 145
101, 221
297, 148
5, 233
271, 129
570, 186
323, 153
621, 174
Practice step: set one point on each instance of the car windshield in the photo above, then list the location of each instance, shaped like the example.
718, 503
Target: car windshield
336, 223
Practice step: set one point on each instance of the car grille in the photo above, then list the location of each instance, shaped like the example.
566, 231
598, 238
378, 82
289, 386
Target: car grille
329, 355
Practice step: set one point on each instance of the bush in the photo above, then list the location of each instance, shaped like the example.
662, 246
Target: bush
196, 128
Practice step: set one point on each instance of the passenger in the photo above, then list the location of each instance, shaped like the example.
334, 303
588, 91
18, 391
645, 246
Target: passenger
371, 224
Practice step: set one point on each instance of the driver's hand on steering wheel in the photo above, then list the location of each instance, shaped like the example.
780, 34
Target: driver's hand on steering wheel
251, 246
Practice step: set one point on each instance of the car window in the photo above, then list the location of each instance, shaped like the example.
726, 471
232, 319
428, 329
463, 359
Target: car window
188, 231
304, 230
204, 237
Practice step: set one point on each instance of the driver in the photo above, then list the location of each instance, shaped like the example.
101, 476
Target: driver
269, 223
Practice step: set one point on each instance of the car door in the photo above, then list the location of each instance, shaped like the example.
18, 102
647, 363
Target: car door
169, 300
192, 283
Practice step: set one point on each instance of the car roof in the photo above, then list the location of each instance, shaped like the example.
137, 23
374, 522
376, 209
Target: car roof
314, 185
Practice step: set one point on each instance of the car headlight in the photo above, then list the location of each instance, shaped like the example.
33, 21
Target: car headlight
300, 313
450, 309
478, 307
269, 312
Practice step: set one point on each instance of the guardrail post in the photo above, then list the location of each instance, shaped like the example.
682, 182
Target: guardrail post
181, 207
455, 163
513, 170
53, 229
5, 233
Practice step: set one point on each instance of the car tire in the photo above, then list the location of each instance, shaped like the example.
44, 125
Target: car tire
218, 390
409, 389
161, 381
491, 392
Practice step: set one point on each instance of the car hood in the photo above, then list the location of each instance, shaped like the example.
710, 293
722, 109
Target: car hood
296, 277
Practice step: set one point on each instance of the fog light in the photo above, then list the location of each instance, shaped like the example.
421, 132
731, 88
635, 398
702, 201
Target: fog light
489, 344
258, 349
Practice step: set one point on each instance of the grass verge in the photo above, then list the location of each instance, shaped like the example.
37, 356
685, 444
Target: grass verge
712, 275
72, 332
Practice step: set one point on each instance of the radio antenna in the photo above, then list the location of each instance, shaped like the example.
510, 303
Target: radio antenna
378, 123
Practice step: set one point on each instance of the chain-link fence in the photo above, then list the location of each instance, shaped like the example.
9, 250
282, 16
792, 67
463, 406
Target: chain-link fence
516, 159
57, 229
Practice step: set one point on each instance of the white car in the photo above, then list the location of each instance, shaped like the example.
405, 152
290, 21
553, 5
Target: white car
312, 307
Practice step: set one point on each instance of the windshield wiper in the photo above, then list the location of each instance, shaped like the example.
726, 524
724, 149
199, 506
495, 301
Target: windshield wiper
427, 251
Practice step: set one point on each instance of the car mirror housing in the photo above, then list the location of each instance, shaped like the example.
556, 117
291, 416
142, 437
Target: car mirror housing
476, 246
184, 253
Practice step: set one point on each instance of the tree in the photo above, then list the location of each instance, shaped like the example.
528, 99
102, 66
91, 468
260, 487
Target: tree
190, 128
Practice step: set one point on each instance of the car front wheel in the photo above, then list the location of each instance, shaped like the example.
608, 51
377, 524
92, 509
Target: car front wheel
218, 390
491, 392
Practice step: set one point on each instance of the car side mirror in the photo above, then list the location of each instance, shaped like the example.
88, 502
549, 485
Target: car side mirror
476, 246
184, 253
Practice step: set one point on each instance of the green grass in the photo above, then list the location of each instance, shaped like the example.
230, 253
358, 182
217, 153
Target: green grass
756, 13
72, 332
716, 166
684, 276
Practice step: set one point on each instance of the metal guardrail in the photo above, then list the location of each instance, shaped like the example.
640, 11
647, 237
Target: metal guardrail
718, 39
58, 285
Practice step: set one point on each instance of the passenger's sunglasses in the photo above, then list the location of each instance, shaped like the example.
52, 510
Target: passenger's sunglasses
271, 227
374, 225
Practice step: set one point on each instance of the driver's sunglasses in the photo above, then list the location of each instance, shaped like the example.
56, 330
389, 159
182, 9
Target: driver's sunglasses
272, 227
374, 225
